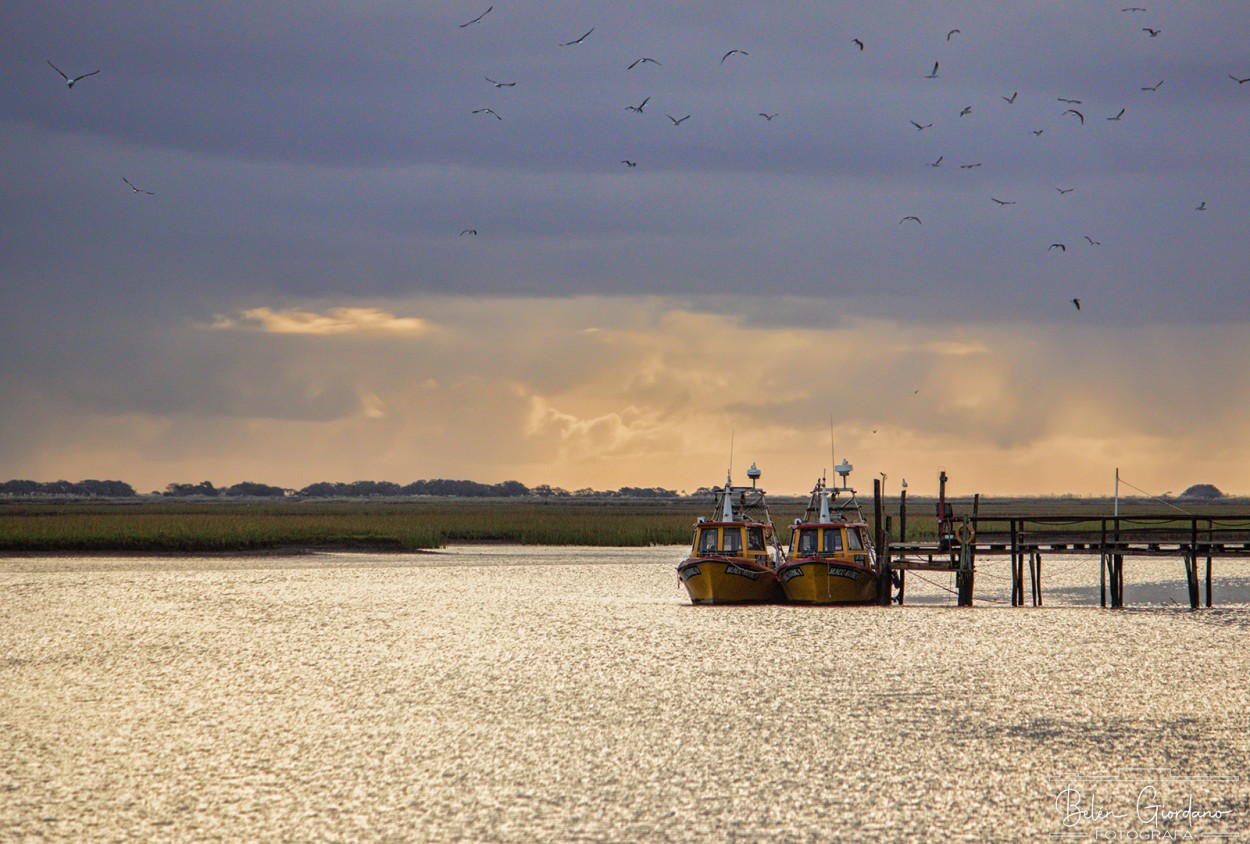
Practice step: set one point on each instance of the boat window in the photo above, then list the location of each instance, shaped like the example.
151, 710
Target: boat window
707, 540
855, 539
833, 540
755, 538
733, 541
807, 542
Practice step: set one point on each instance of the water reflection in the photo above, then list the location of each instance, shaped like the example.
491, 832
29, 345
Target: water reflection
499, 693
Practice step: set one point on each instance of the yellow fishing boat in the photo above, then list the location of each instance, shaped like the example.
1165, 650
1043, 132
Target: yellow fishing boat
831, 559
734, 556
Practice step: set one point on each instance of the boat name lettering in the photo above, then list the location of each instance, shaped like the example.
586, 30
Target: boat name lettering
849, 574
741, 572
792, 572
689, 572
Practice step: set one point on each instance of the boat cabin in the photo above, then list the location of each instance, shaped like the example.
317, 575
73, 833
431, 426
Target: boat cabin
825, 540
729, 540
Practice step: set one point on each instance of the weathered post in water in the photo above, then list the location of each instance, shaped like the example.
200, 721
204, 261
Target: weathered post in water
883, 549
964, 576
902, 515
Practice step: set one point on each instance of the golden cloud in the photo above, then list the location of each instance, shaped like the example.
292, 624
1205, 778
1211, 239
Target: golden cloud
329, 322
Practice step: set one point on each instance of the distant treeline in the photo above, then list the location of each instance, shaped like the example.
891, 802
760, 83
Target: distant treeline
356, 489
81, 489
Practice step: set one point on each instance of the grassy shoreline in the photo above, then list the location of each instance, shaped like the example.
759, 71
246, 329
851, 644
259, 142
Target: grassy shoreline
145, 527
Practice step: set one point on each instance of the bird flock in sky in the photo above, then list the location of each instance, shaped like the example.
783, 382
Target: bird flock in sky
1075, 109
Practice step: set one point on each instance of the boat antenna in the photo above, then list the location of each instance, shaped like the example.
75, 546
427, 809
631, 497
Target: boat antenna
730, 473
832, 462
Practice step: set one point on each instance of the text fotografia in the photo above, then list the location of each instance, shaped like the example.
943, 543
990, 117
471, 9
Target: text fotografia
1150, 818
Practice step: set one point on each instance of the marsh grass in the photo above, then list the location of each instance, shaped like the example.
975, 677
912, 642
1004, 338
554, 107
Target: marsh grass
209, 526
219, 526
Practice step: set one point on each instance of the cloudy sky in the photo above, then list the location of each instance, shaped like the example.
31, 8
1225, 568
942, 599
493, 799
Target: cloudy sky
297, 300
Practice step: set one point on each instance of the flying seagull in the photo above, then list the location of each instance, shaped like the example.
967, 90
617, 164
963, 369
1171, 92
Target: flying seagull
1077, 113
1239, 81
1012, 98
933, 75
858, 43
1038, 132
1153, 33
68, 81
1068, 101
920, 128
677, 121
1076, 302
642, 60
1003, 201
137, 189
1058, 246
499, 84
629, 163
1154, 87
469, 231
1118, 116
478, 18
487, 111
952, 32
905, 219
1093, 242
1062, 191
638, 108
1134, 9
965, 110
1202, 206
769, 116
578, 40
937, 163
731, 52
969, 166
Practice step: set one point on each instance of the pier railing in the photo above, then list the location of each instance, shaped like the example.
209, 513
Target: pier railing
1028, 537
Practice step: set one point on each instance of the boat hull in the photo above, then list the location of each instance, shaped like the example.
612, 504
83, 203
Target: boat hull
723, 580
817, 581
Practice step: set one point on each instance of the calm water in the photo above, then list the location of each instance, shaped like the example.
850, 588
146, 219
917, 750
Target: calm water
527, 695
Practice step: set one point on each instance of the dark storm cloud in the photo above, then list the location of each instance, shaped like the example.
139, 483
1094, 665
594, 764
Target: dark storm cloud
329, 152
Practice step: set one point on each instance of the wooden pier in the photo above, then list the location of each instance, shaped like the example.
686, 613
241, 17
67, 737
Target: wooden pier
1030, 539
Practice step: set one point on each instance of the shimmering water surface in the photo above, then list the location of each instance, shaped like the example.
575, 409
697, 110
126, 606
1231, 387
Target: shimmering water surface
522, 694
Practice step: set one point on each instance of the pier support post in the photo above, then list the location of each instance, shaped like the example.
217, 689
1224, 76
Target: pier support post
1017, 568
964, 578
1035, 578
1191, 578
1117, 567
885, 587
1102, 566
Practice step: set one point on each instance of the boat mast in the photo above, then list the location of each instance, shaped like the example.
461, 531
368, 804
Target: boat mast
727, 502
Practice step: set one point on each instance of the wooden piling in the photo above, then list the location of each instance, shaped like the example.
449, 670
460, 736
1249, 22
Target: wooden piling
884, 586
966, 575
1033, 586
1017, 578
1102, 566
902, 516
